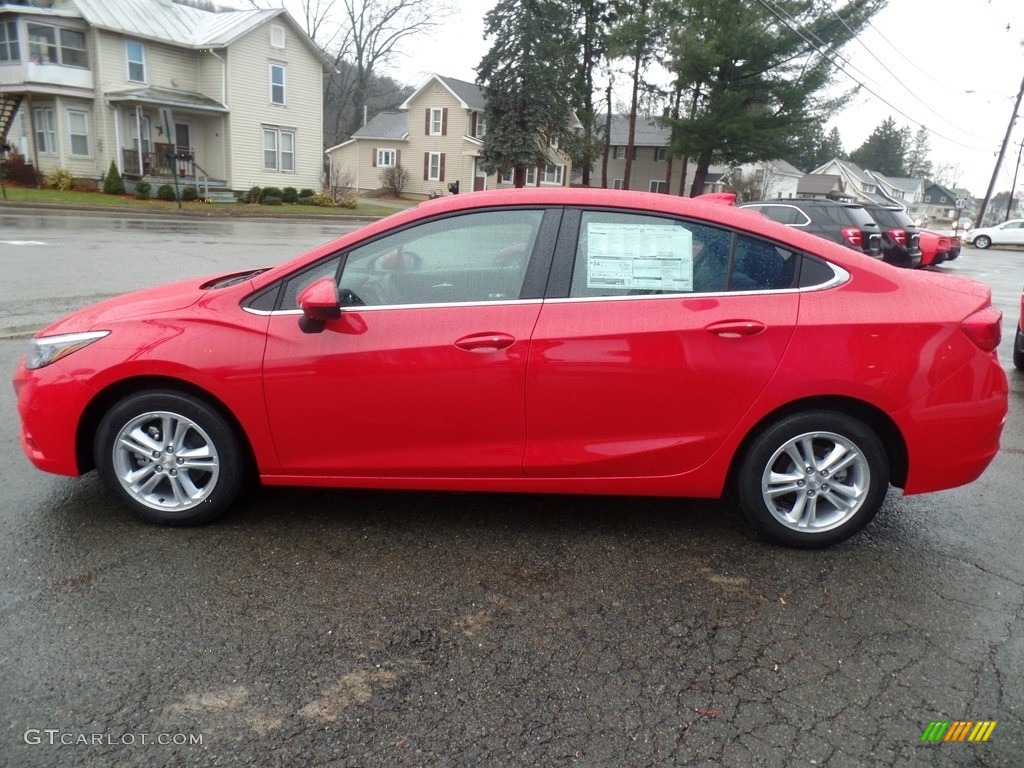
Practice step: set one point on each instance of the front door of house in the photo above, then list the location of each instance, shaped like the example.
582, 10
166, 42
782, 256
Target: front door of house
479, 177
183, 148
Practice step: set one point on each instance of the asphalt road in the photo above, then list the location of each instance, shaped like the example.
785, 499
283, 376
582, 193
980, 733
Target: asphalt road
358, 629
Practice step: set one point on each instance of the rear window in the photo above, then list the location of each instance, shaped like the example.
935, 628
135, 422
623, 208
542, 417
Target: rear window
784, 214
887, 218
858, 216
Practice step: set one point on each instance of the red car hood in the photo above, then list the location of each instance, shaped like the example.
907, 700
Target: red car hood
149, 301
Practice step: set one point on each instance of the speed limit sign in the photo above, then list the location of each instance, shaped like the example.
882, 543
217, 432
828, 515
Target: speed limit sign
961, 203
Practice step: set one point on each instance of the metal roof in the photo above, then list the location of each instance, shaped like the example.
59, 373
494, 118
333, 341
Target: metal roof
169, 97
393, 126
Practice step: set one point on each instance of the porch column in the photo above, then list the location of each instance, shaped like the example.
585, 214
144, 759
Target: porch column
138, 131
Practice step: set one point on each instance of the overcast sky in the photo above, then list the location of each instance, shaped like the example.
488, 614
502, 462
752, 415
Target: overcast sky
919, 58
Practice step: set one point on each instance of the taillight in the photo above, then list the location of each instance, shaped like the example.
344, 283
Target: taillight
899, 236
853, 236
943, 244
984, 328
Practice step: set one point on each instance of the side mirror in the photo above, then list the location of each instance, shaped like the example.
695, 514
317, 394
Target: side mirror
319, 303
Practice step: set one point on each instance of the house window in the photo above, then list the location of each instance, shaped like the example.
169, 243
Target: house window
658, 186
72, 49
135, 53
9, 41
386, 158
507, 177
531, 177
436, 121
276, 36
552, 174
660, 154
927, 198
46, 131
133, 128
481, 125
617, 184
78, 130
553, 142
278, 150
435, 166
277, 84
620, 153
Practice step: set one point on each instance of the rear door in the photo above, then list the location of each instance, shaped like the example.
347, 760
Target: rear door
655, 346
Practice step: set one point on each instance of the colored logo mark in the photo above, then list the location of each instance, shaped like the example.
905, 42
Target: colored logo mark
958, 730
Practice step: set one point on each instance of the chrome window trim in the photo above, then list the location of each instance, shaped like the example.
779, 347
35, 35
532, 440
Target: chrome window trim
379, 307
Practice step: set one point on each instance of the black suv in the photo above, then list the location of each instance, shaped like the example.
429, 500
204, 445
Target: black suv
845, 223
901, 239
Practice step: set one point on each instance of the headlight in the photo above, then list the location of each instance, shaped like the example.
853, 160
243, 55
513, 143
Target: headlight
49, 349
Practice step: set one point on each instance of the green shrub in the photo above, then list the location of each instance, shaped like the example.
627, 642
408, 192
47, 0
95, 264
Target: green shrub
307, 192
189, 193
270, 192
113, 184
290, 195
143, 190
252, 196
166, 192
322, 200
270, 200
60, 179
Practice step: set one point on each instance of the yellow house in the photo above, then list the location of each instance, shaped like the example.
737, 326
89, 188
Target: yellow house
436, 135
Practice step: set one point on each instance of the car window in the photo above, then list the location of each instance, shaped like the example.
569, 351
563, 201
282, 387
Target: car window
479, 256
858, 215
296, 284
784, 214
620, 254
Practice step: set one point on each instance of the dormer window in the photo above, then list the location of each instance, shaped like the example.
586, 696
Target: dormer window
276, 36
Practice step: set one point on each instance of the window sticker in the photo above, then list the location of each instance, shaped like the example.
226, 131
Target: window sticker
639, 256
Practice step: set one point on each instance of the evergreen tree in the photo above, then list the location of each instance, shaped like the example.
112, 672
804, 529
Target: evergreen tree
592, 19
917, 165
831, 148
528, 75
634, 38
884, 150
113, 184
758, 72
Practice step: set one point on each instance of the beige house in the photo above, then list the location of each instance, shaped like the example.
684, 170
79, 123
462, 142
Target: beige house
237, 93
437, 137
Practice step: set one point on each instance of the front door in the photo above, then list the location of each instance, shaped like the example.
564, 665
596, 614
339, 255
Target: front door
183, 149
479, 177
422, 375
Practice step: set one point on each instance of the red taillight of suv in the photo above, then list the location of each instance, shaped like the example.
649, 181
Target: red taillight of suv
899, 236
853, 236
984, 328
943, 245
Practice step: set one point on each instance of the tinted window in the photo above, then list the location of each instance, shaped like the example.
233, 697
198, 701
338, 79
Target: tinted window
784, 214
814, 272
858, 215
760, 265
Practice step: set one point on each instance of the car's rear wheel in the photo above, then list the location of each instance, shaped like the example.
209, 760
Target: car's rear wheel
813, 479
982, 241
170, 457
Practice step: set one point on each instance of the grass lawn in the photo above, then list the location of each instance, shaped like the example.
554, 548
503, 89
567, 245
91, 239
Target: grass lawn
129, 203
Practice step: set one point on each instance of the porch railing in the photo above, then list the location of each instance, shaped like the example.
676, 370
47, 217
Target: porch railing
158, 163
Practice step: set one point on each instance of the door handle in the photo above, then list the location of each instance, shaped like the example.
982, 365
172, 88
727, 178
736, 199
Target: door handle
735, 329
485, 342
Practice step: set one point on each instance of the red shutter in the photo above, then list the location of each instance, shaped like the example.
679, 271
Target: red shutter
441, 174
426, 124
373, 157
426, 166
444, 128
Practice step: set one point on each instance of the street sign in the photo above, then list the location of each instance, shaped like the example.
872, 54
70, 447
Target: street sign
961, 203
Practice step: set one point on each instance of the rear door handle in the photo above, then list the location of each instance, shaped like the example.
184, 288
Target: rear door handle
734, 329
485, 342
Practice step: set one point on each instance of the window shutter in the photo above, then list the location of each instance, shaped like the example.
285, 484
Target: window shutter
444, 126
472, 124
426, 123
373, 157
441, 174
426, 161
398, 157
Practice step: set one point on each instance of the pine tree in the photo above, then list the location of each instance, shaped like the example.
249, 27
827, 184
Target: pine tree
917, 165
113, 184
528, 74
884, 149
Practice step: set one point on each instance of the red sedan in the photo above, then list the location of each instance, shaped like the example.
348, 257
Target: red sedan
555, 341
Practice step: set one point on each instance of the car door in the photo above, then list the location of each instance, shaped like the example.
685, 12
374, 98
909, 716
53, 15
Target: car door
423, 372
658, 347
1011, 233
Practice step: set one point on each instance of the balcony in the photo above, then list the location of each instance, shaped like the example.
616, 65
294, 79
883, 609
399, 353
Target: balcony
46, 76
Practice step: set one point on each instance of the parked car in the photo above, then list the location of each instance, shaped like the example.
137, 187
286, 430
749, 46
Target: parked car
1008, 233
845, 223
1018, 341
900, 235
537, 340
955, 246
935, 247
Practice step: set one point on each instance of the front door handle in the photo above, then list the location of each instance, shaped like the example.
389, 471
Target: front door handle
734, 329
485, 342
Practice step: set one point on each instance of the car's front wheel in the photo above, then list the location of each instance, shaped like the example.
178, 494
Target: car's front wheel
813, 479
982, 241
170, 457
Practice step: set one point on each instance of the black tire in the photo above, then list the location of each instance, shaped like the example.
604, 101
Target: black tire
1018, 350
982, 241
848, 496
190, 480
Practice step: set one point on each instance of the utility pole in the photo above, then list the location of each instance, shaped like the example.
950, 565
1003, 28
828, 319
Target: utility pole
999, 159
1013, 187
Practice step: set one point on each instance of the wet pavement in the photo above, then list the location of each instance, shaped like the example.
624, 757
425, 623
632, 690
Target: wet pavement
359, 628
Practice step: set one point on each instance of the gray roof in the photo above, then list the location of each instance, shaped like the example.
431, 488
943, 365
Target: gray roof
177, 24
470, 93
818, 184
785, 167
169, 97
391, 125
907, 185
646, 133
